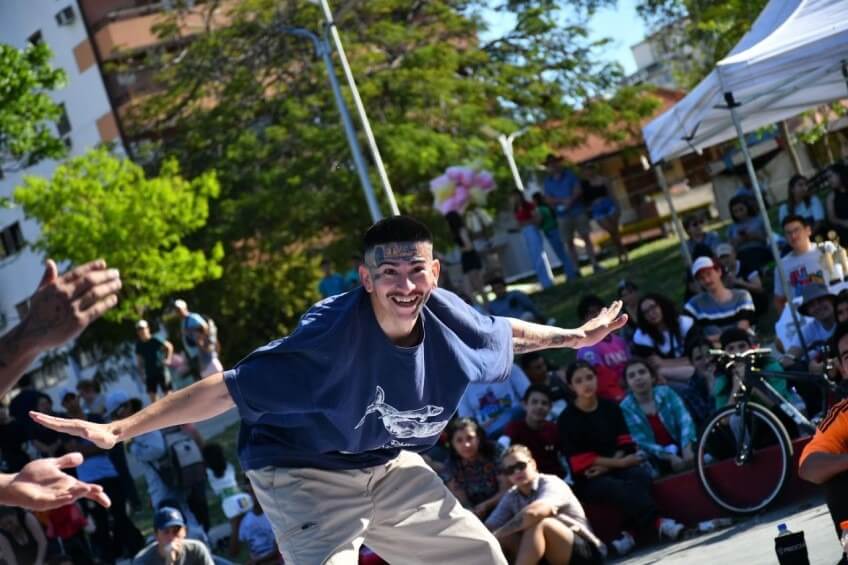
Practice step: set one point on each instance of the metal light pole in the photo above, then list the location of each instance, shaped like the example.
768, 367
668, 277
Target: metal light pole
322, 49
360, 108
506, 146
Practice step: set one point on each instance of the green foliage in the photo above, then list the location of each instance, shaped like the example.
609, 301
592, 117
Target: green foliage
26, 111
99, 205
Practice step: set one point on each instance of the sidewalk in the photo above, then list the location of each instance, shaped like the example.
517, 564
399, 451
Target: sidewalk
750, 541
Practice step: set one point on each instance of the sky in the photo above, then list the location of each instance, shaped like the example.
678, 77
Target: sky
621, 24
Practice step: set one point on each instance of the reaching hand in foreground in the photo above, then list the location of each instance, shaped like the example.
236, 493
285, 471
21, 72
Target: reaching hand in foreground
101, 435
600, 326
41, 485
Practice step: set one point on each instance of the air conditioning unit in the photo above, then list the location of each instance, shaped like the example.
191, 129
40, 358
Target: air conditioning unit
66, 16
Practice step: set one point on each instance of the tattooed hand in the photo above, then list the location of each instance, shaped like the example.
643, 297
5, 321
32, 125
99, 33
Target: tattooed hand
596, 329
527, 336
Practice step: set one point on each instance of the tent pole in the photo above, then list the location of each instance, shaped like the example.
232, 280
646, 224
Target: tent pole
790, 146
675, 220
752, 174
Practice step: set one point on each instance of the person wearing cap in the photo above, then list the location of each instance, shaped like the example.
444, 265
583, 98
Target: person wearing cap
172, 547
200, 341
718, 306
334, 415
152, 357
802, 265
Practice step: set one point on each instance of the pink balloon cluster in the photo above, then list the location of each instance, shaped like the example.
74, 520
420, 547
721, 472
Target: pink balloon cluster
459, 187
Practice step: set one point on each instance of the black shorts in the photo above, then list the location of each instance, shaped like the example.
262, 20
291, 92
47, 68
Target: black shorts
157, 381
585, 553
471, 261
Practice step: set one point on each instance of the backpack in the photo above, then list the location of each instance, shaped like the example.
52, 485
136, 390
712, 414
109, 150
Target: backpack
182, 466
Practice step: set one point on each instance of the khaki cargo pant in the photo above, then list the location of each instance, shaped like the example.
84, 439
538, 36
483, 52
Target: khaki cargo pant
401, 510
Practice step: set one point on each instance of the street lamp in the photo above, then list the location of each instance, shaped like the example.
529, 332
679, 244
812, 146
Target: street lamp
322, 49
506, 146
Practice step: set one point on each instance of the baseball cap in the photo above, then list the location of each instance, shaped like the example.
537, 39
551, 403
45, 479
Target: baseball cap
723, 249
141, 324
703, 263
167, 517
180, 304
115, 399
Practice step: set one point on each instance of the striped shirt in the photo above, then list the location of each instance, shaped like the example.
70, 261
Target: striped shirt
724, 315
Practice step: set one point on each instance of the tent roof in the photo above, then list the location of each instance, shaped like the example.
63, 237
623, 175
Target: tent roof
790, 60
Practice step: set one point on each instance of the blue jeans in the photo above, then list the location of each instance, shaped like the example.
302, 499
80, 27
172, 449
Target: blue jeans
533, 239
556, 243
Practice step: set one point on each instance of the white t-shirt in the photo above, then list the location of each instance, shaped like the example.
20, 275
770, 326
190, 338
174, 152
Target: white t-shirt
814, 212
800, 270
669, 347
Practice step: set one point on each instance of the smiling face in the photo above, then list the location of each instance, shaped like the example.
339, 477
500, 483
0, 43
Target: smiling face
584, 383
399, 277
639, 378
466, 442
537, 406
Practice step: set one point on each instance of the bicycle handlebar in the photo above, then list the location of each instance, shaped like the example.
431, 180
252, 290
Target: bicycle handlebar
759, 352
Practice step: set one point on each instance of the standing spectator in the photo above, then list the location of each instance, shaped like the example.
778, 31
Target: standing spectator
152, 357
471, 472
607, 357
628, 293
351, 278
513, 303
200, 340
549, 226
658, 420
837, 200
698, 394
332, 283
747, 233
540, 518
255, 530
801, 203
536, 432
661, 338
472, 264
22, 539
535, 366
602, 207
741, 276
496, 404
718, 307
563, 191
604, 460
92, 397
694, 226
171, 545
802, 265
45, 441
98, 468
528, 220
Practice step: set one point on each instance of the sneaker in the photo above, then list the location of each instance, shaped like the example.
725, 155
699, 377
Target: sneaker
624, 544
669, 529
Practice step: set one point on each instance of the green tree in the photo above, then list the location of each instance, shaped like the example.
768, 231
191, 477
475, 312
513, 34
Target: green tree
253, 102
27, 113
99, 205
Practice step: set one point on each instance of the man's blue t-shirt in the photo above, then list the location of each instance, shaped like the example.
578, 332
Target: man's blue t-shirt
563, 187
338, 394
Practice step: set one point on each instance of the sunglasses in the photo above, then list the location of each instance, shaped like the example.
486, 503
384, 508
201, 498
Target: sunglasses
514, 468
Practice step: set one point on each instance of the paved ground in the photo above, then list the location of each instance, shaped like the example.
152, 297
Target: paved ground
750, 541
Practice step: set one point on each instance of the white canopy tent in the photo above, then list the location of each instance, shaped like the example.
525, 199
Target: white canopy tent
795, 57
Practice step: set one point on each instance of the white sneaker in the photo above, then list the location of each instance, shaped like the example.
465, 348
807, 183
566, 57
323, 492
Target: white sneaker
624, 544
669, 529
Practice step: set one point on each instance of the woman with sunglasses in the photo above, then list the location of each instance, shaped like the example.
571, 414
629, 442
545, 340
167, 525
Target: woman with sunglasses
471, 472
605, 461
661, 338
540, 518
658, 420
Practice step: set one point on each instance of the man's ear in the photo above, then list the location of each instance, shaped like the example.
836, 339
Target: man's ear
437, 268
365, 278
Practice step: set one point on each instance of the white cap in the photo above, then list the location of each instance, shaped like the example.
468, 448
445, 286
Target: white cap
702, 263
180, 304
140, 324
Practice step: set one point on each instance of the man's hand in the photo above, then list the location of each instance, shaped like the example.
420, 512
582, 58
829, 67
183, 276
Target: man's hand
64, 305
538, 510
596, 329
41, 485
595, 471
101, 435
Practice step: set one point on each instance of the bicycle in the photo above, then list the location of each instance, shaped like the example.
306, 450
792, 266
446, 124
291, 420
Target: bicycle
745, 452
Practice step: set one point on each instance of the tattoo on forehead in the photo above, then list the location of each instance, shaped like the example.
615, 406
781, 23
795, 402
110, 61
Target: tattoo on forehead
396, 251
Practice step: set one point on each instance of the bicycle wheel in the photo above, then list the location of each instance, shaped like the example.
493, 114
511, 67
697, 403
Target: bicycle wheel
743, 464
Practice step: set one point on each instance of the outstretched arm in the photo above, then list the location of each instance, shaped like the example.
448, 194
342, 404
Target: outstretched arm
202, 400
42, 485
527, 336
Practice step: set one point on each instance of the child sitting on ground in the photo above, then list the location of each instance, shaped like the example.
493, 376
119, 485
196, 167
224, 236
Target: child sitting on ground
222, 478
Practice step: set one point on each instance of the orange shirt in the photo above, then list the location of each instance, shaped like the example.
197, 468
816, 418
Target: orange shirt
832, 433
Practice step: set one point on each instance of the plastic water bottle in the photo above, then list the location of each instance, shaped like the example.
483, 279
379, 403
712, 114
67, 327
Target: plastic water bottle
790, 547
843, 525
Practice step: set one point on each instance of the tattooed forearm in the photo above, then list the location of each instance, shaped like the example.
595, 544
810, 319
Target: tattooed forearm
527, 336
513, 525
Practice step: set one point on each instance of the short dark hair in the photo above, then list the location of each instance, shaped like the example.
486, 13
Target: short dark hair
394, 230
732, 335
794, 218
528, 358
694, 340
586, 303
840, 332
497, 280
574, 367
540, 388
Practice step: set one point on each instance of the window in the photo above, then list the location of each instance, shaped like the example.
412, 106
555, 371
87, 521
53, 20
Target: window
11, 240
35, 38
65, 16
64, 124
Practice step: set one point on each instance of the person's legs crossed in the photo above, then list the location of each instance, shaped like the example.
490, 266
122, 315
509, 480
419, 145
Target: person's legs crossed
418, 520
550, 539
